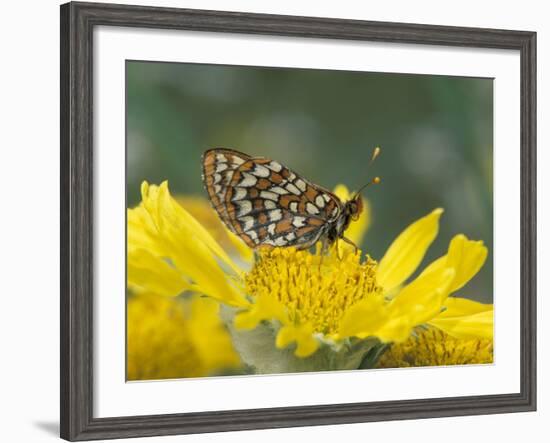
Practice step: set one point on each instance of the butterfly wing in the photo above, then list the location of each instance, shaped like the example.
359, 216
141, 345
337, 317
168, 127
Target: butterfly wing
265, 203
218, 167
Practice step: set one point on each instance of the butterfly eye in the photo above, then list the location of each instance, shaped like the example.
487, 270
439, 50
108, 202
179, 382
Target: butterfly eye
356, 208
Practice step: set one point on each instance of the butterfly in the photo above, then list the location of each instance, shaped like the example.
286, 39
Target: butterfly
266, 204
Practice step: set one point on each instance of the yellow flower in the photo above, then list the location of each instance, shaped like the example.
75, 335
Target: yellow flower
173, 338
433, 347
328, 307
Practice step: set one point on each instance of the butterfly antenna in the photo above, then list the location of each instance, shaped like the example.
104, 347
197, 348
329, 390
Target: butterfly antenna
376, 180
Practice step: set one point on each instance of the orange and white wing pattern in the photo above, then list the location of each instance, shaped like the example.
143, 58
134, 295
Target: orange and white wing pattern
265, 203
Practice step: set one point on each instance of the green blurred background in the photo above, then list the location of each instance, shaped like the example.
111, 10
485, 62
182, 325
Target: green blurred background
436, 135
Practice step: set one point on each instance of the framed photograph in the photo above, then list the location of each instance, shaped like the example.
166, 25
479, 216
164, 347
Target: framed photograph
273, 221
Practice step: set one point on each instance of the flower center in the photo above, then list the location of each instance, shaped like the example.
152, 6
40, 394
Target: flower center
313, 289
432, 347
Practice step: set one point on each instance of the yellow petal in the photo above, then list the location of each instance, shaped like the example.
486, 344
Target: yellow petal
396, 330
478, 325
168, 338
372, 317
169, 232
357, 229
142, 231
465, 318
457, 306
246, 253
179, 216
416, 303
423, 299
407, 251
154, 275
159, 211
364, 319
201, 210
265, 307
211, 340
465, 256
193, 258
342, 192
306, 344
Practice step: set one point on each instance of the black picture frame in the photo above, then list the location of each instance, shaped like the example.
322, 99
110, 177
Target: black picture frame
77, 215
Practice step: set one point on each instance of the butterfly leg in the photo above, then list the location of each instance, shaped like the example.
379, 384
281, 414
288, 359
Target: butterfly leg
321, 263
349, 242
324, 250
324, 246
337, 249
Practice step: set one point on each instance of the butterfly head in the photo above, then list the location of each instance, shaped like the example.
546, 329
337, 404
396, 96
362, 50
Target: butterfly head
354, 207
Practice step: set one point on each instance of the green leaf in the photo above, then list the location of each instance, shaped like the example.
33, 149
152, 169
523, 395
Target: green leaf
373, 355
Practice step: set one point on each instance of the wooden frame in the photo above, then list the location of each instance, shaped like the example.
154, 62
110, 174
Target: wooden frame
77, 23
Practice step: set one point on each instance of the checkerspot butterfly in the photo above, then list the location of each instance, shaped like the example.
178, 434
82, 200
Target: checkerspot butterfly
267, 204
